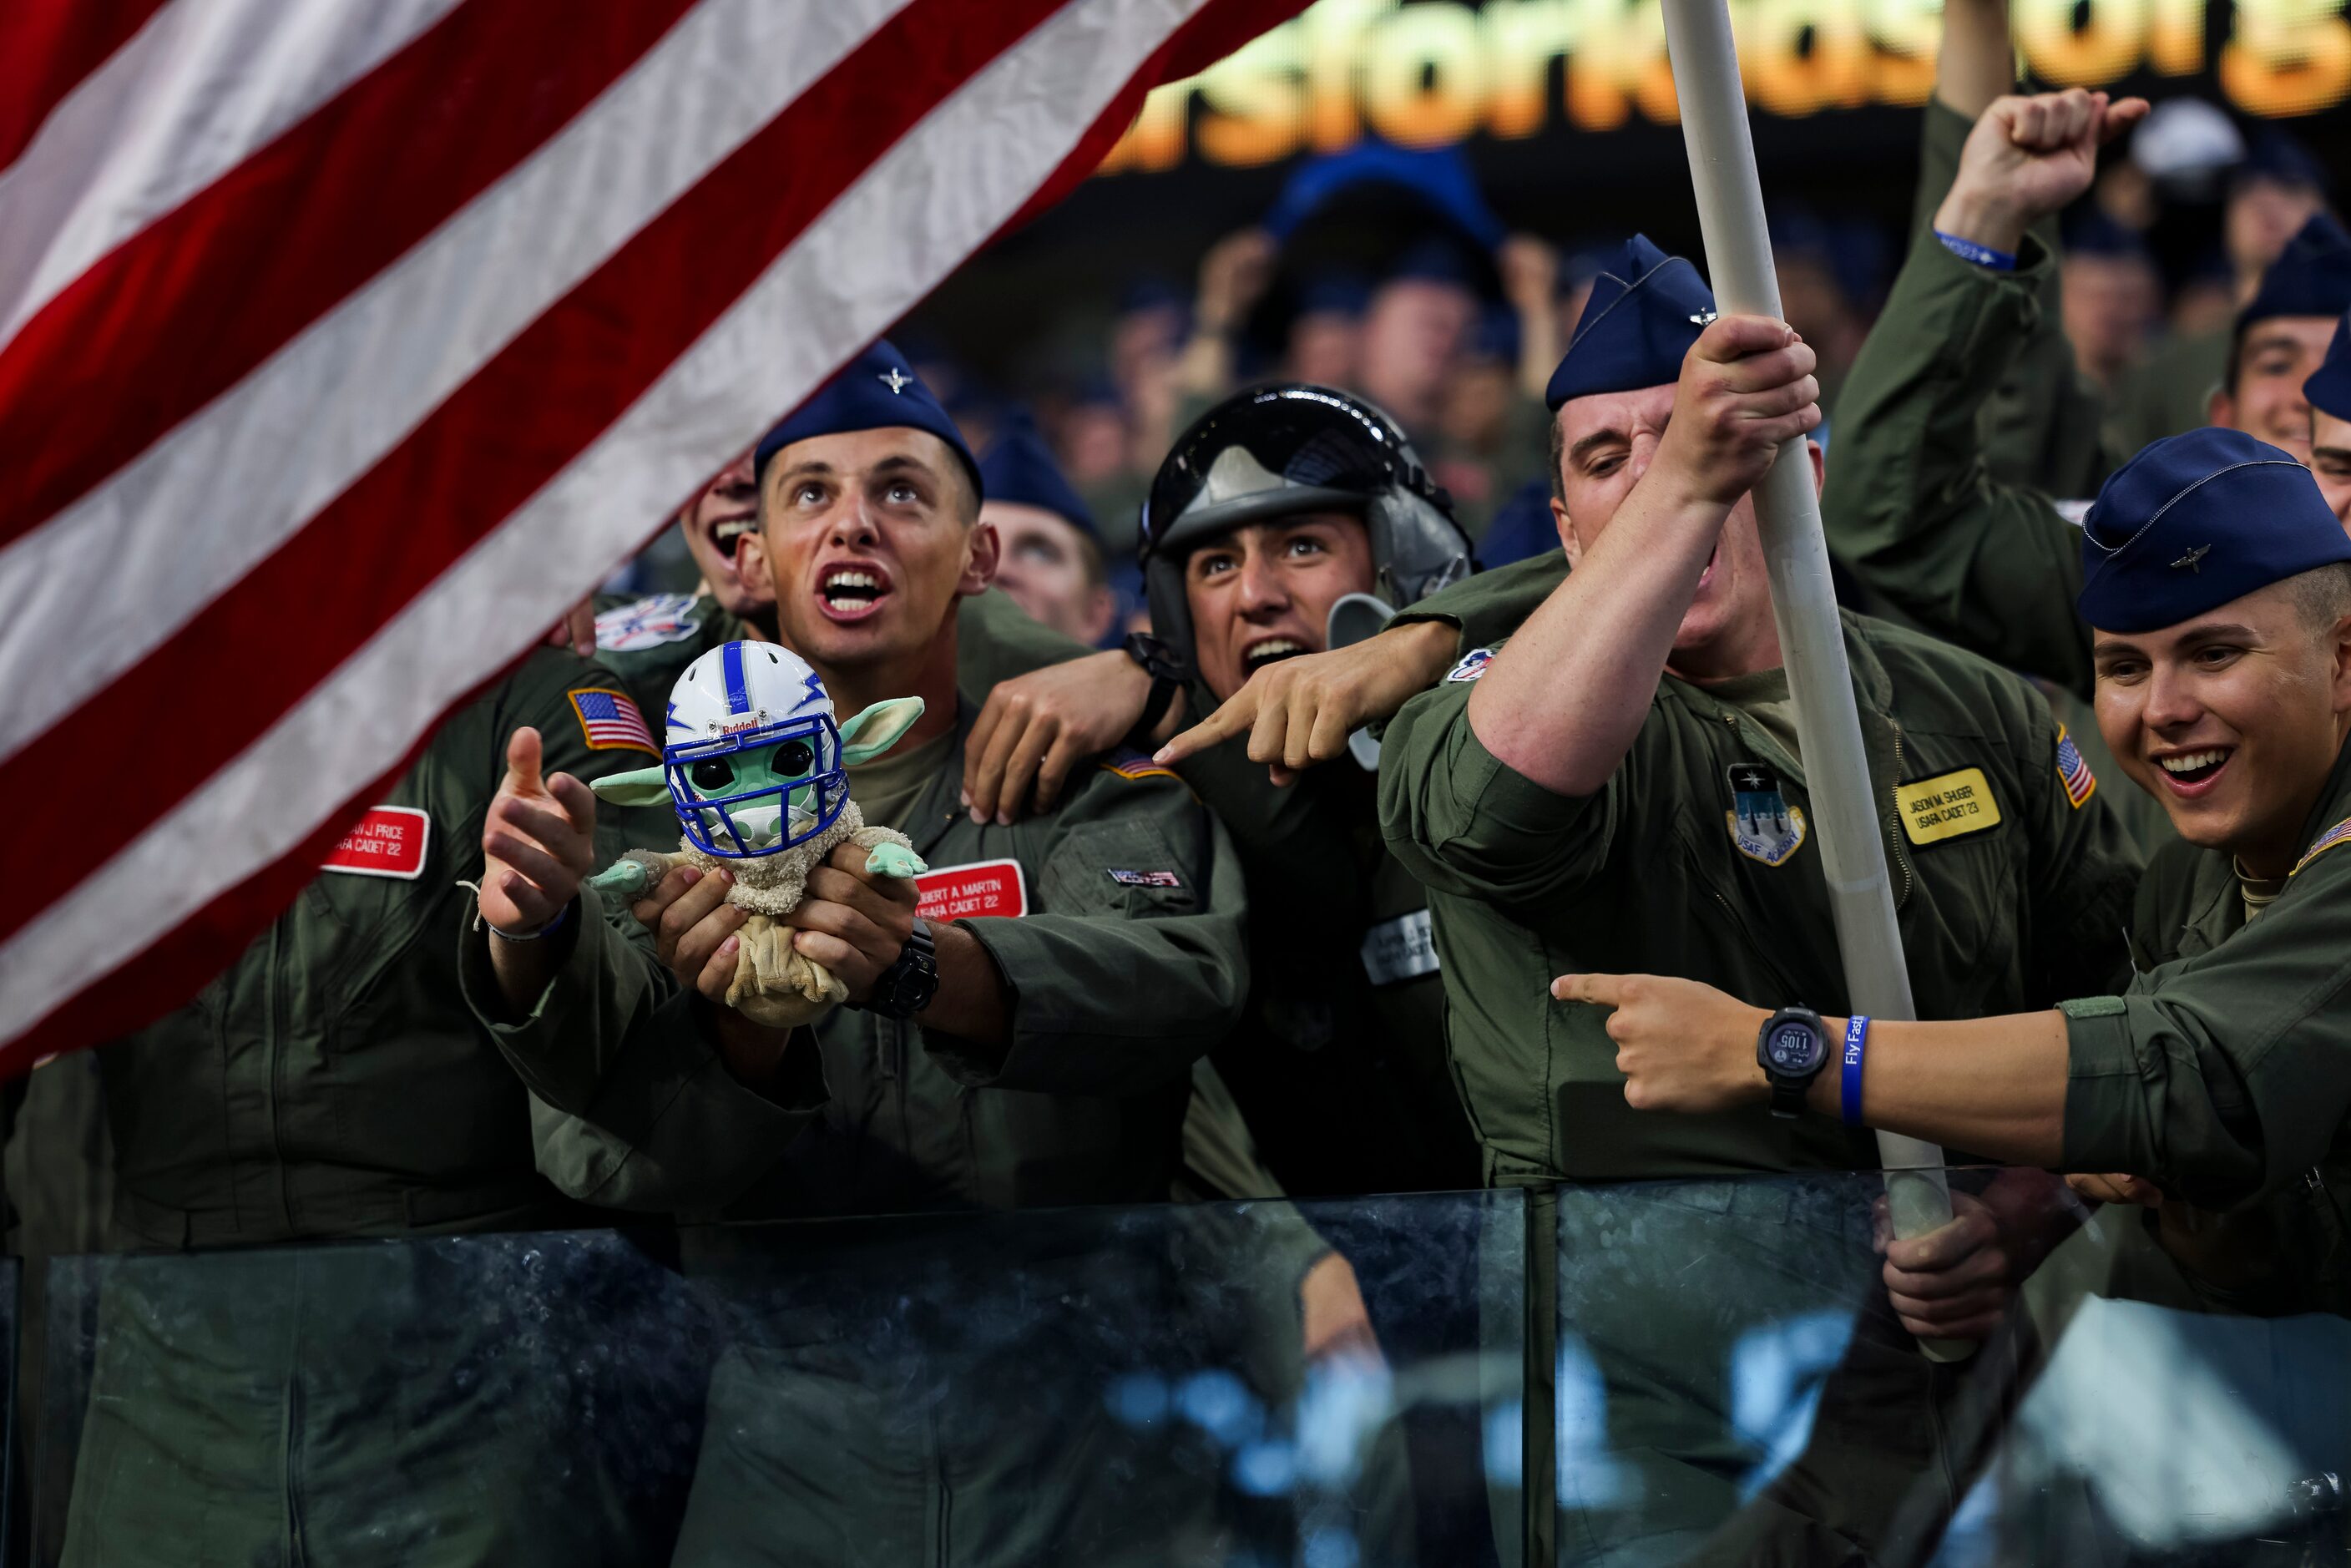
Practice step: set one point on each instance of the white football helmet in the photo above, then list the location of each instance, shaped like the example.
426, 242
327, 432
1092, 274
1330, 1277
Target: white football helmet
752, 752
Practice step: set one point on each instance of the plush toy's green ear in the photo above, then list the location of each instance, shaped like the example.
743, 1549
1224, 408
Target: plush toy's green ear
881, 725
644, 787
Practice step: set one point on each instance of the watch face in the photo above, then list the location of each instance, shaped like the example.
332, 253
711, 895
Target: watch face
1793, 1048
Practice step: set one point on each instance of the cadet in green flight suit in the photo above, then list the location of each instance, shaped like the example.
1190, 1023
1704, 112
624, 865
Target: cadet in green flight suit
2215, 1077
332, 1083
1026, 1044
1622, 777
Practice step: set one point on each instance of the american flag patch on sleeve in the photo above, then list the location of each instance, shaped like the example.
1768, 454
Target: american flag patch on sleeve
2323, 842
611, 721
2073, 772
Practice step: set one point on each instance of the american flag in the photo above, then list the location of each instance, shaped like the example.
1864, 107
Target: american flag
611, 719
2073, 772
2340, 833
343, 346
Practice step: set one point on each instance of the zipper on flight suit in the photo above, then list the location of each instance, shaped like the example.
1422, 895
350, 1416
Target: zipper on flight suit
1893, 826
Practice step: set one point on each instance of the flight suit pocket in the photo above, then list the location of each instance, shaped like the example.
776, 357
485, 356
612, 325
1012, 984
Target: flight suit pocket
1117, 868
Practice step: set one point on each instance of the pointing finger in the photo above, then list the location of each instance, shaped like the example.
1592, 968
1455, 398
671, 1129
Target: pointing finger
1599, 990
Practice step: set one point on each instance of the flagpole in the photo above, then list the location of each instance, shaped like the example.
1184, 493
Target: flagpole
1787, 512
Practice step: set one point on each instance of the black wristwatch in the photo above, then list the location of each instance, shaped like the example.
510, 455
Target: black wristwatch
1167, 674
1792, 1047
907, 985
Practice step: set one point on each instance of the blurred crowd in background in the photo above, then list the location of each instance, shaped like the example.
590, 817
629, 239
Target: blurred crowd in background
1385, 271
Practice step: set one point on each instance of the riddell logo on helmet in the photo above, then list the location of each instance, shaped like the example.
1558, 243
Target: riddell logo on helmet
754, 722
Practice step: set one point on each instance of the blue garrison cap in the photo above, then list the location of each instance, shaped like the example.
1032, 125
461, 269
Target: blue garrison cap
2197, 520
2277, 156
1019, 468
1646, 308
2312, 277
878, 391
2328, 389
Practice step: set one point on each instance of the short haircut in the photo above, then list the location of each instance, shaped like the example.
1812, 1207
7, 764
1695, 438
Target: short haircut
1558, 459
2323, 594
1090, 558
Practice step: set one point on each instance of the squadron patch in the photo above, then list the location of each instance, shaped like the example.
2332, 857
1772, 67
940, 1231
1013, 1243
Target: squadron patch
1947, 806
2073, 772
647, 623
1763, 826
2340, 833
1472, 666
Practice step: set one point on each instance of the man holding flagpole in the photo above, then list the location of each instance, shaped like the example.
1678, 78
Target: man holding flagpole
1623, 776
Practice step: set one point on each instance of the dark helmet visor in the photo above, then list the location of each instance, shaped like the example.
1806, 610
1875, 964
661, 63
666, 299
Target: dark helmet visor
1308, 448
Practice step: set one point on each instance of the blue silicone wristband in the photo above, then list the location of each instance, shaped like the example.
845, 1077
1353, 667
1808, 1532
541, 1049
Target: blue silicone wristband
1981, 254
1856, 1041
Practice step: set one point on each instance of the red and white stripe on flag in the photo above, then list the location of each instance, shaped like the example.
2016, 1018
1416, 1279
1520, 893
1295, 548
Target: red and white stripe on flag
342, 347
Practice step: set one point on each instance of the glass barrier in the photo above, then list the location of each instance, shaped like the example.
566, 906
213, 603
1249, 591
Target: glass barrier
1171, 1385
1733, 1383
1721, 1375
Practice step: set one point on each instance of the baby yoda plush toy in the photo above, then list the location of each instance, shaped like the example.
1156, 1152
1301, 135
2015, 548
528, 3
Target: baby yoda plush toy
757, 769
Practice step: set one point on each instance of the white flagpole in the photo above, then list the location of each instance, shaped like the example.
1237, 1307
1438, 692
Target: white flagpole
1787, 512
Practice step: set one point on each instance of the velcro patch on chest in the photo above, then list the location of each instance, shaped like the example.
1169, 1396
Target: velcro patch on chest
983, 887
389, 840
647, 623
1947, 806
1145, 878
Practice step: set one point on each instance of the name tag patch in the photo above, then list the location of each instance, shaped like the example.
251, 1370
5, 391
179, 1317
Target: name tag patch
1404, 948
983, 887
389, 841
1145, 878
1947, 806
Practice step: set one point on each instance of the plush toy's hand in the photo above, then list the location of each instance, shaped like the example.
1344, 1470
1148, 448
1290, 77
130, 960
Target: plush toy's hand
894, 859
625, 878
538, 841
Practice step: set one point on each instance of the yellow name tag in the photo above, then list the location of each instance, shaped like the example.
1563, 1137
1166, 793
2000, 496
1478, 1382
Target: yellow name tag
1947, 806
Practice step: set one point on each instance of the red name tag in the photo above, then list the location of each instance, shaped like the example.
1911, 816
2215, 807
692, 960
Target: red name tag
388, 841
983, 887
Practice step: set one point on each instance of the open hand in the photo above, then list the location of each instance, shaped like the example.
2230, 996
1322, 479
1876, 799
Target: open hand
538, 841
1036, 728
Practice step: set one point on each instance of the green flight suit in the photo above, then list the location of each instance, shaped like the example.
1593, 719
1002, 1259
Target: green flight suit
2172, 391
332, 1083
1916, 508
1646, 876
1339, 1063
1909, 505
1127, 964
2219, 1073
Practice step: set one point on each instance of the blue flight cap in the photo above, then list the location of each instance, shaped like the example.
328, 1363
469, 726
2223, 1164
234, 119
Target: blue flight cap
1334, 293
2276, 156
1440, 177
2312, 277
2097, 233
878, 391
1433, 260
2195, 521
2328, 389
1646, 308
1019, 468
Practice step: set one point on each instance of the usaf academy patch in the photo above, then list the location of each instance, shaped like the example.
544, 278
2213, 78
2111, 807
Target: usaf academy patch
1763, 826
647, 623
1472, 666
